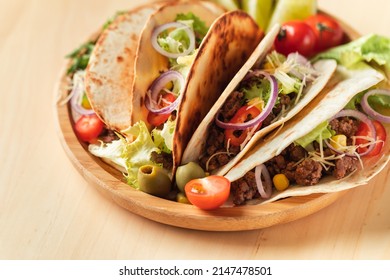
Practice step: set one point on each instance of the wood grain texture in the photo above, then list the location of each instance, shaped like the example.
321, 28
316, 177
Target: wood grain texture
49, 211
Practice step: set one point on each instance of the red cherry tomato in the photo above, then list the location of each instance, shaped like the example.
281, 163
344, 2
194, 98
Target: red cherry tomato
363, 130
158, 119
208, 193
242, 115
89, 127
327, 30
295, 36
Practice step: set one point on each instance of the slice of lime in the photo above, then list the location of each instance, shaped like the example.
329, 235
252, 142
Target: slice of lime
286, 10
260, 10
228, 4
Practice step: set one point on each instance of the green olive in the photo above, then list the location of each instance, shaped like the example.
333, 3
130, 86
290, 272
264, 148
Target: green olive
186, 173
154, 180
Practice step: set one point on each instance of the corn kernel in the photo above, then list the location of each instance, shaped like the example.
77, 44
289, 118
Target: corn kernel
182, 198
338, 141
281, 182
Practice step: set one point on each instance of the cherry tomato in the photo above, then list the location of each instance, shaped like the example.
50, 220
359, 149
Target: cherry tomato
89, 127
208, 193
242, 115
295, 36
327, 30
363, 130
156, 119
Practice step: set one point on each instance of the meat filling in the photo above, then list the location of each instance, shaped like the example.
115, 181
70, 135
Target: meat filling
218, 151
298, 168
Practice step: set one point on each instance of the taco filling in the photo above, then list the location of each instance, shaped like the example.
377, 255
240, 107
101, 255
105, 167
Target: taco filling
334, 148
263, 97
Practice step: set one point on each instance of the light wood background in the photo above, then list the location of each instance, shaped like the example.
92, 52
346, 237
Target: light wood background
47, 209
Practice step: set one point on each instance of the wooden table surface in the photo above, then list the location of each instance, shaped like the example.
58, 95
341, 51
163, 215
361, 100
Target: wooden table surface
47, 209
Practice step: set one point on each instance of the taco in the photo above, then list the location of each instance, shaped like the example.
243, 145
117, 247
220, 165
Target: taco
175, 81
267, 91
110, 72
332, 145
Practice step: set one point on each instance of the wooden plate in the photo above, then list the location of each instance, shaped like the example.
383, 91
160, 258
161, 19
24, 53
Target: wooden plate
111, 183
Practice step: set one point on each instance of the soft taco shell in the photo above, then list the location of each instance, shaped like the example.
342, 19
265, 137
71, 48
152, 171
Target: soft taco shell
228, 45
325, 68
110, 72
326, 105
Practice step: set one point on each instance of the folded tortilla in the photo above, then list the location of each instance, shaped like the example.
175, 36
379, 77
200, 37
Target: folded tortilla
333, 99
197, 144
228, 44
110, 72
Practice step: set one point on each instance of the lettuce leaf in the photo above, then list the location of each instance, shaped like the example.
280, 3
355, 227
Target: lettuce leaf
257, 88
163, 139
322, 131
195, 23
373, 49
138, 152
111, 152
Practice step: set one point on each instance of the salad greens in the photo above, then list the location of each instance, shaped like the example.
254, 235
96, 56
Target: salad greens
195, 23
129, 155
321, 132
373, 49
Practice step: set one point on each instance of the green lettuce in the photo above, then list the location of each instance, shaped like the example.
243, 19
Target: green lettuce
111, 152
321, 132
258, 88
195, 23
177, 41
163, 139
373, 49
138, 152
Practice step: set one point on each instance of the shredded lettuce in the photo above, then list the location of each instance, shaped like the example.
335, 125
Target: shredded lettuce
110, 152
175, 41
183, 63
322, 131
138, 152
370, 48
195, 23
163, 139
258, 88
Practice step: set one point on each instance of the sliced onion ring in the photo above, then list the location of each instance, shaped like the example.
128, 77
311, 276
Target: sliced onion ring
267, 110
77, 96
156, 87
361, 117
157, 31
264, 188
369, 110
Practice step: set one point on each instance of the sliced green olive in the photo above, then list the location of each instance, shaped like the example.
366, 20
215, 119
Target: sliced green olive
186, 173
153, 180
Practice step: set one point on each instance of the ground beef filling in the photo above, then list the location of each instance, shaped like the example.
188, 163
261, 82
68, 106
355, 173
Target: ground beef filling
298, 168
163, 158
217, 145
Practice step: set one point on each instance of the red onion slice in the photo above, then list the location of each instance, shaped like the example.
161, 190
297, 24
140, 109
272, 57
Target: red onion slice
369, 110
156, 87
76, 100
264, 188
361, 117
267, 110
178, 25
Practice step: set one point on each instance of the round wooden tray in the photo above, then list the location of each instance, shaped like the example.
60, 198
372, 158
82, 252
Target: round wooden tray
111, 183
